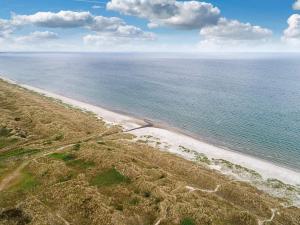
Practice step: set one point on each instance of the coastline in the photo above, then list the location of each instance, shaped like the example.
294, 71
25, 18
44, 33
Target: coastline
184, 145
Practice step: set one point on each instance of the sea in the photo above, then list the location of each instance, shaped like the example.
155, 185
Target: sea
244, 102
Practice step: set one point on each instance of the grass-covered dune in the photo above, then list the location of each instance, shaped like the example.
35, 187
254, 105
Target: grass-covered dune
59, 165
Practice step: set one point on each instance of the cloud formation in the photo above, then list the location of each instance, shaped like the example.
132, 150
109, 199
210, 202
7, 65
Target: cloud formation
5, 28
296, 5
70, 19
177, 14
292, 33
234, 30
192, 15
62, 19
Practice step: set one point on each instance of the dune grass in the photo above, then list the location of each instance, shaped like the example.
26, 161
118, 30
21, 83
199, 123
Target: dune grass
187, 221
63, 156
20, 152
81, 164
27, 182
108, 178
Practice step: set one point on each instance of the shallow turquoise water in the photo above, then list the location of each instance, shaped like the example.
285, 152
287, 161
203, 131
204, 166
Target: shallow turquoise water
249, 103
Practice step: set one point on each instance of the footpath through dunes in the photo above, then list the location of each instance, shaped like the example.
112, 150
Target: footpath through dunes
59, 165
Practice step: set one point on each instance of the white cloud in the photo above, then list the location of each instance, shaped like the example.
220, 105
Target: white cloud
296, 5
5, 28
232, 35
177, 14
108, 28
62, 19
37, 36
71, 19
234, 30
214, 29
292, 33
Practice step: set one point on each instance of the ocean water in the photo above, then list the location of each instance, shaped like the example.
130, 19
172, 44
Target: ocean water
244, 102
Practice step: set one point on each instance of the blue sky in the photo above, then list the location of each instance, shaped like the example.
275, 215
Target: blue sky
226, 23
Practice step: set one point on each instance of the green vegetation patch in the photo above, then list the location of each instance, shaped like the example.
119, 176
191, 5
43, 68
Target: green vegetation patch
187, 221
202, 158
5, 132
109, 178
81, 164
63, 156
27, 183
17, 153
184, 149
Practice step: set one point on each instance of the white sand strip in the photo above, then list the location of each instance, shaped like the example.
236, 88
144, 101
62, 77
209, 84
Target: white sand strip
110, 117
266, 169
174, 140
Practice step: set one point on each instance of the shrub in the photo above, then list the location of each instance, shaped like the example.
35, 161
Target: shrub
76, 147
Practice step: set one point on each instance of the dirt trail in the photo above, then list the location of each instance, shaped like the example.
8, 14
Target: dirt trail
191, 189
12, 176
262, 222
17, 172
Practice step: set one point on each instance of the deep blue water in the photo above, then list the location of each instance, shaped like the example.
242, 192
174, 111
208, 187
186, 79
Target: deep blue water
247, 102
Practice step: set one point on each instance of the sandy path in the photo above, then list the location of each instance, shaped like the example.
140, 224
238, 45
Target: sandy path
262, 222
191, 189
16, 173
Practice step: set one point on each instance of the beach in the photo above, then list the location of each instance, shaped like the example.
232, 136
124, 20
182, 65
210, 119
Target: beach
175, 139
59, 156
265, 175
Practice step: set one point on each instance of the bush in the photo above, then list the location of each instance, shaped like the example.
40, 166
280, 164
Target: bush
76, 147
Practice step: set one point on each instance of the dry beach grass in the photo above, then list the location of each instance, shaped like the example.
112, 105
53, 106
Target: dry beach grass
59, 165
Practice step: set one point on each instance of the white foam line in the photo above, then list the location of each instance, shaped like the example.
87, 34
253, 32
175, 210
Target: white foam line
174, 140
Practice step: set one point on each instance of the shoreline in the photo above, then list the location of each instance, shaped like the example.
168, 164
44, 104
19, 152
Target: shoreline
179, 143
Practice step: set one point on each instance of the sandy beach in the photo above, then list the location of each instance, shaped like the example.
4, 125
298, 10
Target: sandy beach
174, 139
189, 147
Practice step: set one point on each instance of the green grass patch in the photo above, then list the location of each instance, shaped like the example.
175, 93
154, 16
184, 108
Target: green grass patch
187, 221
81, 164
109, 178
63, 156
17, 153
27, 183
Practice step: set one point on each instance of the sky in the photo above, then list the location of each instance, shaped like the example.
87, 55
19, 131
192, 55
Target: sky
150, 25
